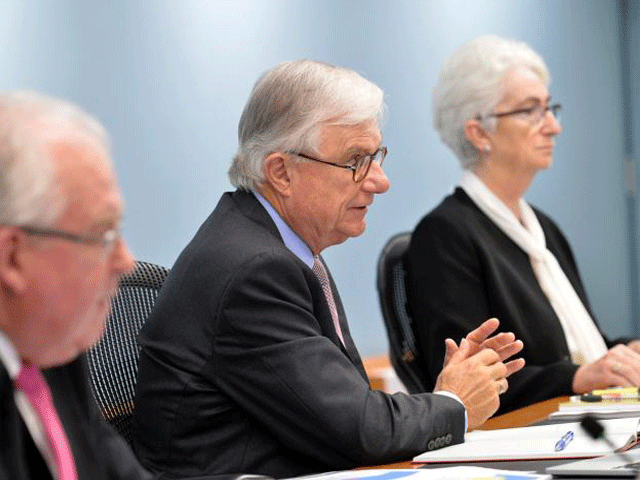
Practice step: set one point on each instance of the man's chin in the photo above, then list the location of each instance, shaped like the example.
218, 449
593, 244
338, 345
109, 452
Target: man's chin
59, 357
359, 230
344, 235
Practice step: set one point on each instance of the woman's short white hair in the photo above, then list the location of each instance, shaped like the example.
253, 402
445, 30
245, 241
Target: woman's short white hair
470, 85
30, 123
288, 107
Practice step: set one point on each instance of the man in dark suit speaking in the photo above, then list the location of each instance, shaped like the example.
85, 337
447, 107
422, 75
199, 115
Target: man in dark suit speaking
247, 363
61, 256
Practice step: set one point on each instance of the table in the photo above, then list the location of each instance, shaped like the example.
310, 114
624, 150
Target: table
518, 418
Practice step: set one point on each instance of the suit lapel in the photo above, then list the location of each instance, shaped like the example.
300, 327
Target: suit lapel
250, 206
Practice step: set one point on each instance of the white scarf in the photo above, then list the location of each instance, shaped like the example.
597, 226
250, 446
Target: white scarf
584, 340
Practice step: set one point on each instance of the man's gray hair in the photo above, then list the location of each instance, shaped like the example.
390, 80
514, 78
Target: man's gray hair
288, 107
30, 124
470, 85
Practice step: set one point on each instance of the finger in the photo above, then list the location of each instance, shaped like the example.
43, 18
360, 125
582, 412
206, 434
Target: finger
465, 348
461, 353
510, 350
514, 365
498, 370
450, 349
619, 380
634, 345
481, 333
625, 374
629, 354
623, 353
488, 357
624, 362
503, 386
499, 340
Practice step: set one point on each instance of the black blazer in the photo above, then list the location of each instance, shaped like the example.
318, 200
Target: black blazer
99, 453
242, 370
463, 269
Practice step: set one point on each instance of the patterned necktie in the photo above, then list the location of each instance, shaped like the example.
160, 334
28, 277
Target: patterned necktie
31, 382
321, 273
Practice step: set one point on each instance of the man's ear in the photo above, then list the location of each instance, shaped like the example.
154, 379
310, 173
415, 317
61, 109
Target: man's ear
477, 135
12, 274
277, 174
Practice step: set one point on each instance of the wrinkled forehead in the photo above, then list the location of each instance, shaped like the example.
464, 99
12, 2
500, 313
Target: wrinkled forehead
364, 136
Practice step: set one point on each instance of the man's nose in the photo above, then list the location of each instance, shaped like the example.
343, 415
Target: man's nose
376, 180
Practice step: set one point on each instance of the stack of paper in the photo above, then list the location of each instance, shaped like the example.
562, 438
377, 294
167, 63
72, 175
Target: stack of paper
608, 403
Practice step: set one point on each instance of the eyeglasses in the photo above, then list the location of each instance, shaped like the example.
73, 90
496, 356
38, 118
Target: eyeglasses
534, 115
105, 240
359, 164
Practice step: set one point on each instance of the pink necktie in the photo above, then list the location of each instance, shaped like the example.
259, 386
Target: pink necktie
321, 273
32, 383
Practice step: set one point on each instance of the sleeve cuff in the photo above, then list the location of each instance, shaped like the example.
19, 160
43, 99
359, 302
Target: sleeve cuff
455, 397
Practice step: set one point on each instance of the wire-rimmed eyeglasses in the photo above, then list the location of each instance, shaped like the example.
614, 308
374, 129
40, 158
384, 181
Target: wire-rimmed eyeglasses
104, 240
359, 164
535, 115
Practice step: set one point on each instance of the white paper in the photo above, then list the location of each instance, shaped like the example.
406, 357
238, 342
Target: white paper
528, 443
446, 473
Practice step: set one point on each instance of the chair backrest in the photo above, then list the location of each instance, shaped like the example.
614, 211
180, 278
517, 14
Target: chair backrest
404, 351
113, 361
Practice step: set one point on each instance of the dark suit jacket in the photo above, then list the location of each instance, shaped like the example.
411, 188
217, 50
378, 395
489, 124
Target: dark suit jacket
241, 368
99, 453
463, 269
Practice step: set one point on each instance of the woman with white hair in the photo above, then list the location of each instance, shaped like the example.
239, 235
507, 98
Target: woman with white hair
485, 252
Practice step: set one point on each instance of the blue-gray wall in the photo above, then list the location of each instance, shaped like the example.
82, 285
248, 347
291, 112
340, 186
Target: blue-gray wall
630, 43
169, 79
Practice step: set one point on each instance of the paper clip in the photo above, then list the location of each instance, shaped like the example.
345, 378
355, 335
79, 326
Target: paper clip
564, 441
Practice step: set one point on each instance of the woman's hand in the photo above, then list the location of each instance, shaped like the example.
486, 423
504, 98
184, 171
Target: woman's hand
619, 367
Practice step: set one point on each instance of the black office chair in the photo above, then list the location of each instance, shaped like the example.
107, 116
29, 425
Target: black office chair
404, 350
113, 361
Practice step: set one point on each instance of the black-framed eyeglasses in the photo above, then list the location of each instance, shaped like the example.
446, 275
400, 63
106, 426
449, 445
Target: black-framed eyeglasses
359, 164
104, 240
535, 115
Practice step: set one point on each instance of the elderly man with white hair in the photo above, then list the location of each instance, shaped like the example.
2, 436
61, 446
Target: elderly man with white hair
247, 363
61, 256
485, 252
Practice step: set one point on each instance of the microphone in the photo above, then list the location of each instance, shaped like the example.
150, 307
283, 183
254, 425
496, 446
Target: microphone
595, 430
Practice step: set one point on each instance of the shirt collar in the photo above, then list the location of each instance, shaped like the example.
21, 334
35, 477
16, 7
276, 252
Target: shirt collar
9, 356
290, 238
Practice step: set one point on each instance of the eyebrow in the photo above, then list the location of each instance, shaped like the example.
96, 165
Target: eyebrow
533, 99
361, 150
108, 222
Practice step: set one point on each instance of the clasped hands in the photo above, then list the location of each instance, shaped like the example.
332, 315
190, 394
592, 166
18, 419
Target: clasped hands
477, 370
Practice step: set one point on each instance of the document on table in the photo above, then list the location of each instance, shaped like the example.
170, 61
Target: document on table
446, 473
574, 412
557, 441
608, 403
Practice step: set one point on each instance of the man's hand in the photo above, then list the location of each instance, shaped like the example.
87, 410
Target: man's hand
504, 344
619, 367
475, 371
477, 380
